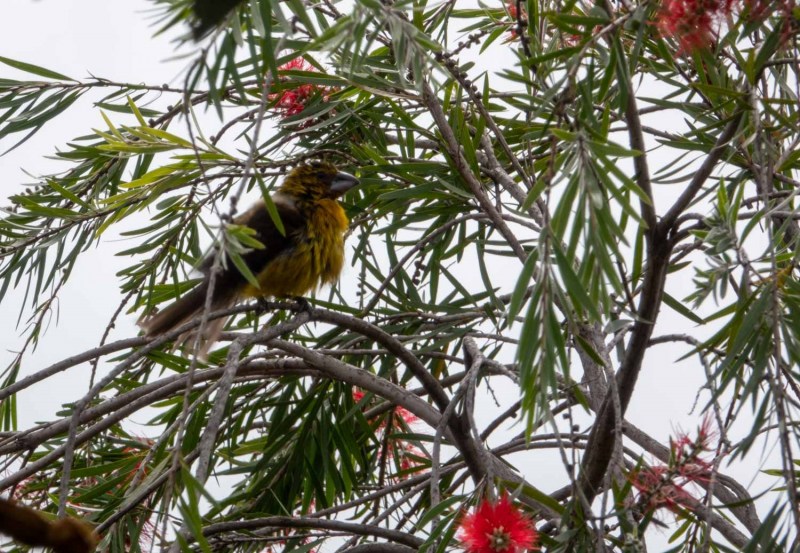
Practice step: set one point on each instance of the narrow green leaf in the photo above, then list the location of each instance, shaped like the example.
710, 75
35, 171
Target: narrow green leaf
35, 69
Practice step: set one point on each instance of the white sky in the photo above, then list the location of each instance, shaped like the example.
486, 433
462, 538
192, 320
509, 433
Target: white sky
78, 38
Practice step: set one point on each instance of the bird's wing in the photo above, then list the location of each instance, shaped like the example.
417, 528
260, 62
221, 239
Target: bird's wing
275, 242
230, 281
258, 219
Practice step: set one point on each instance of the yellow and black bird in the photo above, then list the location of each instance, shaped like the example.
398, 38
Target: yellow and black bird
66, 535
210, 13
308, 254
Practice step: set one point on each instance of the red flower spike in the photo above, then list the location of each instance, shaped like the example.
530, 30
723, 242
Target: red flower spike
658, 488
705, 432
497, 528
691, 22
399, 412
293, 101
297, 64
411, 459
511, 8
668, 485
406, 415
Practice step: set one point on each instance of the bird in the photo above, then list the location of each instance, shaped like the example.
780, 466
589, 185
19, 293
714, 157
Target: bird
65, 535
308, 253
210, 13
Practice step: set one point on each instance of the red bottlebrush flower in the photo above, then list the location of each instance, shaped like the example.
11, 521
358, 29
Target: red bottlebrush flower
511, 8
666, 485
658, 488
298, 64
685, 449
294, 100
411, 460
407, 416
497, 528
686, 453
408, 456
140, 453
692, 22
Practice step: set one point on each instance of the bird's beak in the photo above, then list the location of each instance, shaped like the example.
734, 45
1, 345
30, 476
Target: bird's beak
343, 182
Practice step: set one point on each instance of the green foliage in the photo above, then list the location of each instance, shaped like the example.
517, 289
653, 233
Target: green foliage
546, 198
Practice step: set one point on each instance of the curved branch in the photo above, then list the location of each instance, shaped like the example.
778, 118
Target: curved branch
319, 523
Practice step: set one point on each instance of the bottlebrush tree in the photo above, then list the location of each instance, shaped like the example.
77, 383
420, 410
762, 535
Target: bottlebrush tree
571, 215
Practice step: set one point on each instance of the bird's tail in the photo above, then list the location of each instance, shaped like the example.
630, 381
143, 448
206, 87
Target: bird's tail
187, 308
180, 312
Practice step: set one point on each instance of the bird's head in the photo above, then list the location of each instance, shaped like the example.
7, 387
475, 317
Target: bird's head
316, 181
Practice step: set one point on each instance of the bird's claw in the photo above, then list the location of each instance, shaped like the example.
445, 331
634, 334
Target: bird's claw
302, 304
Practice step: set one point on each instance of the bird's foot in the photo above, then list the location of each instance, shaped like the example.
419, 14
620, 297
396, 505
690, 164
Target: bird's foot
302, 304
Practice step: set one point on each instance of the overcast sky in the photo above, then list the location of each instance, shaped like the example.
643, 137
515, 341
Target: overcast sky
78, 38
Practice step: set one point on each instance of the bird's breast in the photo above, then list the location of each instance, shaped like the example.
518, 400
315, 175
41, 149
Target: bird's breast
316, 256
